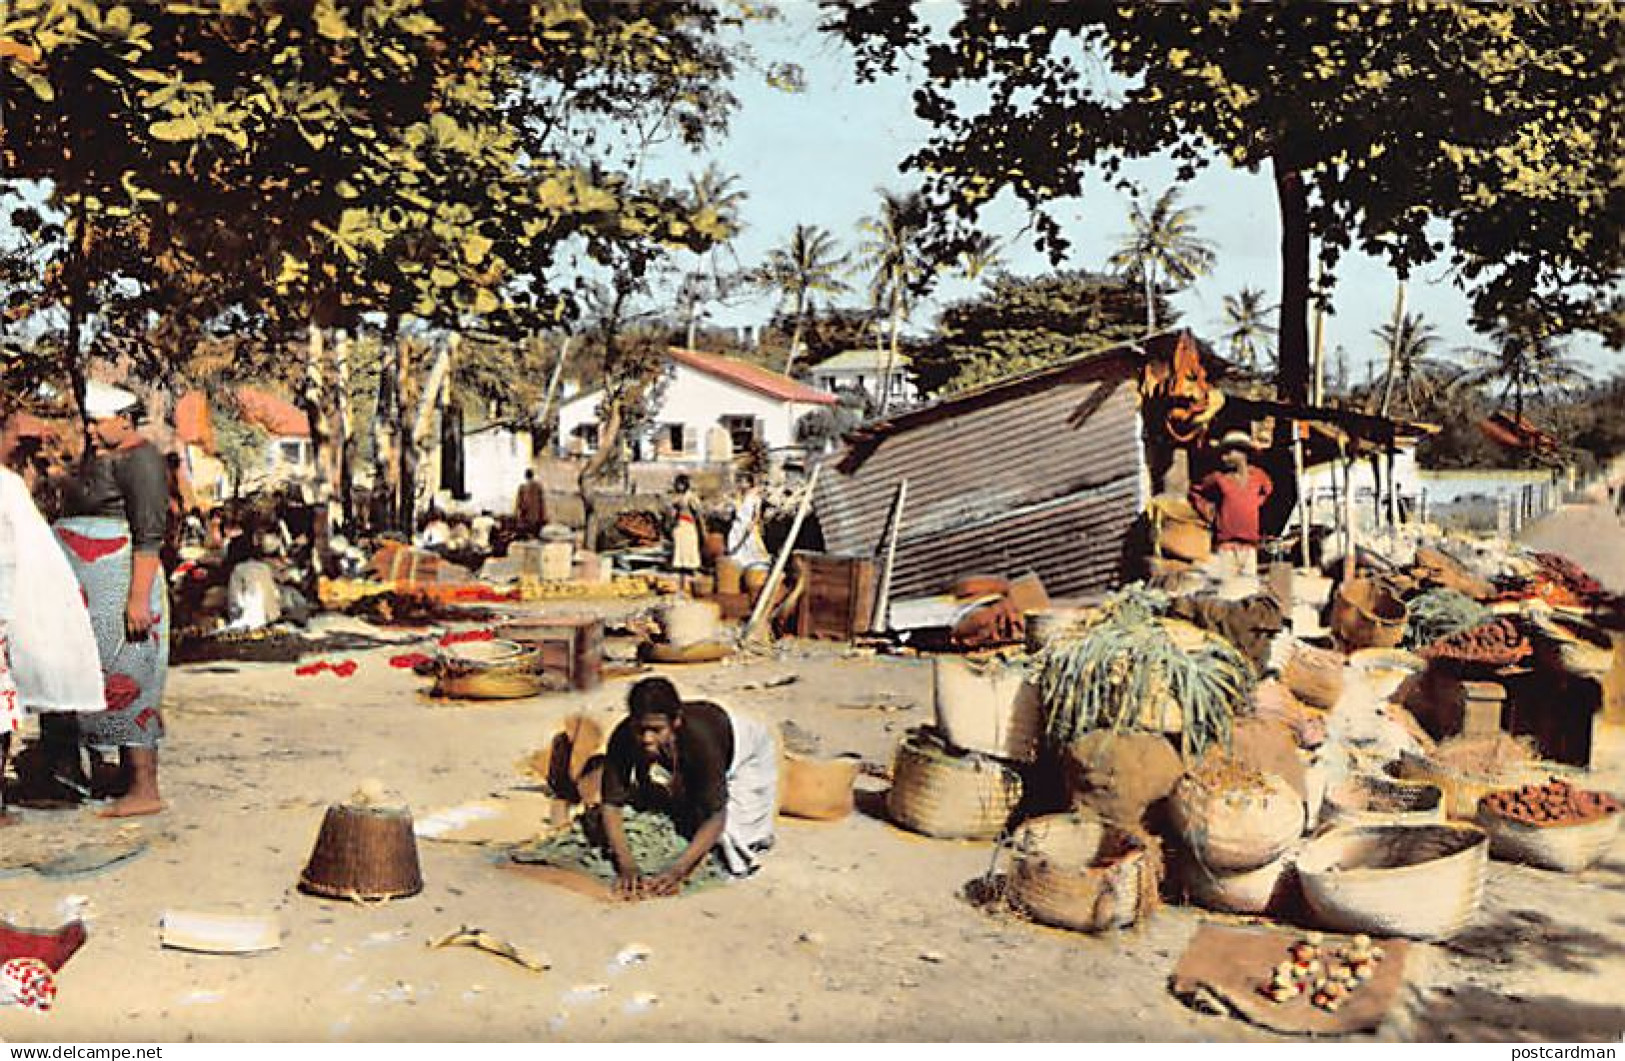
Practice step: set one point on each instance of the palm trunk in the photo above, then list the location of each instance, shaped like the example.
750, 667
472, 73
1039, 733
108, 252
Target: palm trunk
891, 356
1393, 351
795, 334
428, 402
386, 432
1150, 300
312, 398
1292, 372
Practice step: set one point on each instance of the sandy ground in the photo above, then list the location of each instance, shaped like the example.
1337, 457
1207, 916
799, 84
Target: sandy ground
854, 931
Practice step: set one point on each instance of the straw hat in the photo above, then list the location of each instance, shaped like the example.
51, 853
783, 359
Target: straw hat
1237, 439
104, 399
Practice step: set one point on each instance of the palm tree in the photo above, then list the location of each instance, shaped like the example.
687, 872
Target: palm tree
1163, 249
893, 254
809, 264
982, 254
718, 193
1526, 358
1418, 376
1247, 325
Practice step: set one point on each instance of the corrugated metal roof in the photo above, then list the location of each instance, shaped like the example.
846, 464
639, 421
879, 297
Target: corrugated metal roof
1045, 477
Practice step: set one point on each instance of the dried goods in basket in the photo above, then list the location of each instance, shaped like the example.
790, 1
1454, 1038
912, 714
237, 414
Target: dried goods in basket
1232, 818
1497, 643
1368, 615
939, 793
1368, 800
1554, 826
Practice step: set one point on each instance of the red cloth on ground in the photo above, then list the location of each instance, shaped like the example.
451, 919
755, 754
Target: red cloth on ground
52, 946
1235, 505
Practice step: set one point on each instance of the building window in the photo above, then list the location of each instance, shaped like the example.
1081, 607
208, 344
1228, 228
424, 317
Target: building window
744, 430
588, 434
289, 451
674, 438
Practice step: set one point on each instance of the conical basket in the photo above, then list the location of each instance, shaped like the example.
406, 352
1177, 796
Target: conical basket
364, 854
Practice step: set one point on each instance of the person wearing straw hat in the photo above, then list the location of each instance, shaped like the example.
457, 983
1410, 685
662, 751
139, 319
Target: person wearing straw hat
716, 772
115, 513
1231, 500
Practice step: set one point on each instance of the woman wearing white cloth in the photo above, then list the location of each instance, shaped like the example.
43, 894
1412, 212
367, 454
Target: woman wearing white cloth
48, 659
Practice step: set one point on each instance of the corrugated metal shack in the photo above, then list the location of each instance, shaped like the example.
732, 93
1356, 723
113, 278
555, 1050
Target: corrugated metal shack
1044, 472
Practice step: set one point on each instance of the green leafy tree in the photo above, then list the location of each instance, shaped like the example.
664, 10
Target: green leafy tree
1248, 333
809, 264
1383, 126
1162, 251
893, 253
1021, 323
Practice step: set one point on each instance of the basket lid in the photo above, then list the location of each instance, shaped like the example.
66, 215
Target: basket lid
484, 652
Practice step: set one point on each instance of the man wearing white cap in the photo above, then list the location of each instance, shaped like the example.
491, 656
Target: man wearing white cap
115, 512
1231, 500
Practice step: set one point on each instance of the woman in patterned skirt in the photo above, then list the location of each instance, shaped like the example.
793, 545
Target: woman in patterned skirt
115, 513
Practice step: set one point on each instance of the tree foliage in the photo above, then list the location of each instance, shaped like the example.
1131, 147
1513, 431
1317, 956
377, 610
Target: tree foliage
1382, 124
1020, 323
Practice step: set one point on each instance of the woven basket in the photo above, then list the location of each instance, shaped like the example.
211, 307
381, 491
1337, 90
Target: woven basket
1180, 531
1234, 831
992, 709
1368, 800
1072, 871
1314, 675
364, 854
935, 794
1270, 888
819, 789
1463, 790
1565, 848
1365, 615
488, 670
1420, 881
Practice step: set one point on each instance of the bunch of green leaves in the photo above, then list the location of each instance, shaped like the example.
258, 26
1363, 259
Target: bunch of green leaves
1438, 613
652, 836
1100, 679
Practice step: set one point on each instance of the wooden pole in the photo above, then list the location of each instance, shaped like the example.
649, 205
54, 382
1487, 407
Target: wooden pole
1304, 512
765, 600
1348, 513
881, 620
1393, 492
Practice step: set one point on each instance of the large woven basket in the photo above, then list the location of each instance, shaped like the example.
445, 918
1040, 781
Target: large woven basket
1564, 848
816, 788
1180, 530
364, 853
1421, 881
1234, 831
488, 670
1073, 871
937, 794
1314, 675
1366, 615
1367, 800
1270, 888
990, 708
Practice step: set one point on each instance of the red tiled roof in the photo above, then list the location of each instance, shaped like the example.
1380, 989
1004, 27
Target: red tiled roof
751, 377
193, 425
277, 415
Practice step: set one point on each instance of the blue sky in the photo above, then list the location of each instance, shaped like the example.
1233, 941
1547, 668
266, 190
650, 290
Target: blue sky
820, 155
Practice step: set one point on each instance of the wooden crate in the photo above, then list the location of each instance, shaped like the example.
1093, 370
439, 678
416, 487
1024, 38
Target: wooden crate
838, 600
571, 646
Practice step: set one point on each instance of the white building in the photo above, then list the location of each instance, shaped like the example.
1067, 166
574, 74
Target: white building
702, 392
866, 370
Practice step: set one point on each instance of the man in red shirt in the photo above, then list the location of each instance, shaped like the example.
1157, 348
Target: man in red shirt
1231, 499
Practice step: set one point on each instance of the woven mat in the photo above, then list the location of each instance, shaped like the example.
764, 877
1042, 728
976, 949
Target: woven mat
1228, 965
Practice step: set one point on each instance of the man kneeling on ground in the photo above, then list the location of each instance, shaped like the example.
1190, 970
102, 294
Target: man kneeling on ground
715, 773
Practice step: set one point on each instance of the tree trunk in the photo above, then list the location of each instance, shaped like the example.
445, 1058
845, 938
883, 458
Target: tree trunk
386, 433
346, 432
71, 353
553, 387
405, 496
1395, 340
891, 356
795, 333
1150, 299
609, 440
422, 421
1292, 371
312, 398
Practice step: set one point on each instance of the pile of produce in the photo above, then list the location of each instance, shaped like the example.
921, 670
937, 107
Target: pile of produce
639, 528
1568, 574
1329, 976
1555, 803
583, 848
1498, 643
1441, 613
1114, 675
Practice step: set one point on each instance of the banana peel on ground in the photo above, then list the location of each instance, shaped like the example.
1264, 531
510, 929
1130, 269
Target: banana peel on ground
480, 939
